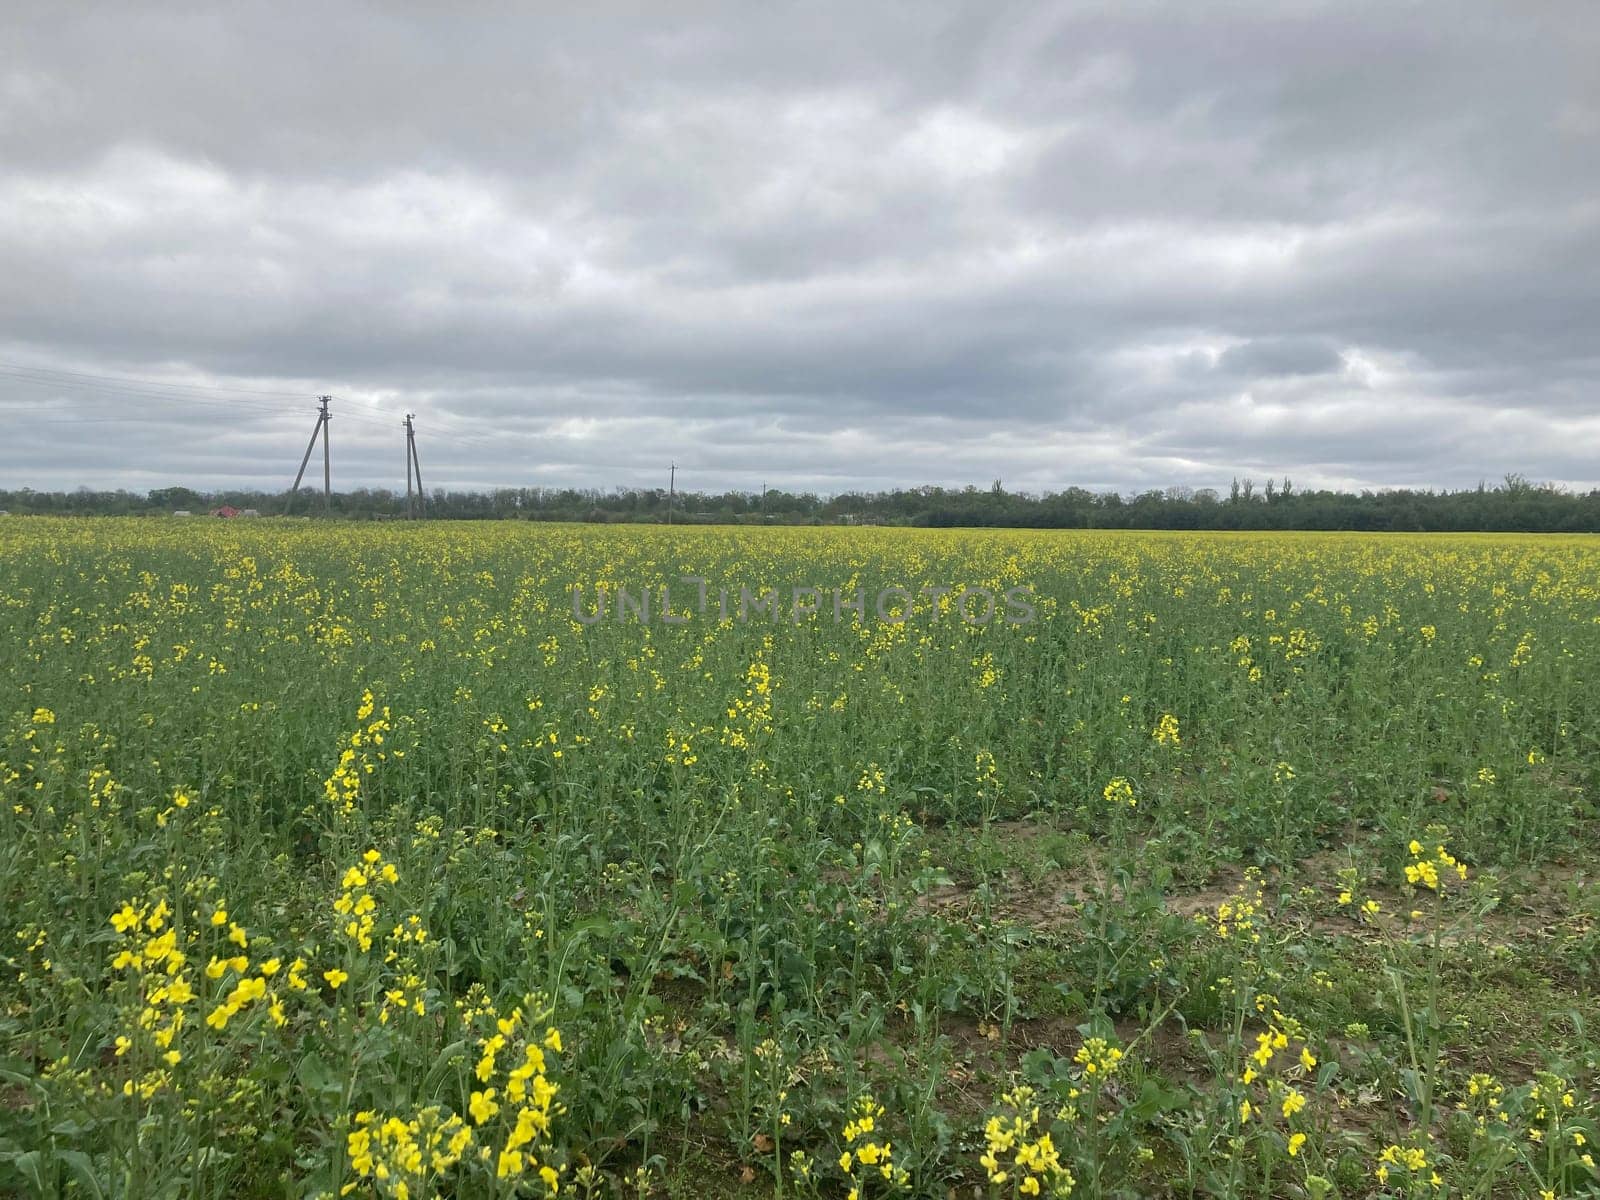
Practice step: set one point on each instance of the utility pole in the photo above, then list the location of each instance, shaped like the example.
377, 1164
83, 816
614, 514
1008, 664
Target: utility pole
319, 429
763, 499
672, 490
412, 461
327, 460
407, 423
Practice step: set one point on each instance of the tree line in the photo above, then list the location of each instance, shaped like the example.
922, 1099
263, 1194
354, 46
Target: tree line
1513, 505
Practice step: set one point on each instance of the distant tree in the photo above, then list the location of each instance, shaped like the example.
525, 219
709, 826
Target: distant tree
175, 498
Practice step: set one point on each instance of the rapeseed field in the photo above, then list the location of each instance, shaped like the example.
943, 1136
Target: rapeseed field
511, 860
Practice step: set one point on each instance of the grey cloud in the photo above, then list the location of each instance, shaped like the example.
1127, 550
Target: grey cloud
1281, 356
1120, 245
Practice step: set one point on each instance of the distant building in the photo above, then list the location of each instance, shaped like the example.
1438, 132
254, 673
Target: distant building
182, 512
226, 511
248, 512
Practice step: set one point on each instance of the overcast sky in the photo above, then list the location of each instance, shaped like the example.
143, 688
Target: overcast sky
824, 246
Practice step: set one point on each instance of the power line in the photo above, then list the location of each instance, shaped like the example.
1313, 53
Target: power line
168, 397
238, 403
133, 388
165, 383
117, 386
243, 409
124, 385
456, 435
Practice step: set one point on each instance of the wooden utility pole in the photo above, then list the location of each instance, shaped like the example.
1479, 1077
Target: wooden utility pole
413, 462
327, 460
409, 510
320, 429
672, 490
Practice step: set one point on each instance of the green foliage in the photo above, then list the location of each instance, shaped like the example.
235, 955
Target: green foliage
731, 888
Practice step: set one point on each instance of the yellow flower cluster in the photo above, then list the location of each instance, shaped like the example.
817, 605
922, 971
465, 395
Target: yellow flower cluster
529, 1097
864, 1154
1239, 918
1483, 1100
985, 773
150, 957
1349, 893
343, 787
1119, 792
404, 1156
1035, 1166
751, 713
1411, 1159
1166, 731
1428, 869
1274, 1069
1098, 1058
356, 902
407, 998
1558, 1123
247, 989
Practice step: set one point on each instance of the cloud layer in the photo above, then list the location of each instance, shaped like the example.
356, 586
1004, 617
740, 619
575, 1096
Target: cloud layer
824, 246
